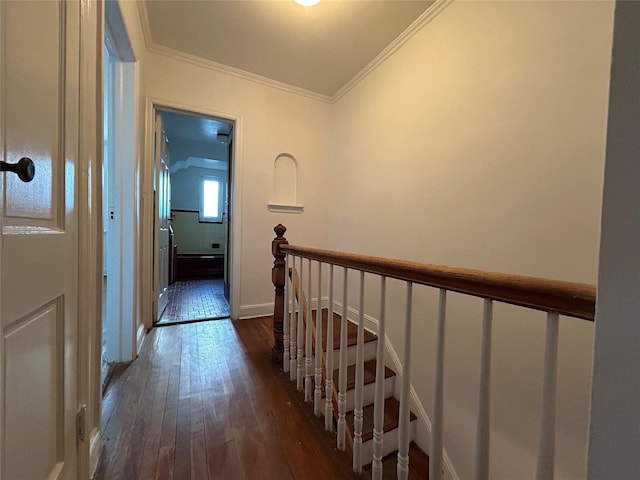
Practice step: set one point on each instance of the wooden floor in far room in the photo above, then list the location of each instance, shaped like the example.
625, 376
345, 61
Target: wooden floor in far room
191, 300
203, 401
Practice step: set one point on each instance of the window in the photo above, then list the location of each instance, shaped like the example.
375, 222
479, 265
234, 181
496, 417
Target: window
211, 203
212, 200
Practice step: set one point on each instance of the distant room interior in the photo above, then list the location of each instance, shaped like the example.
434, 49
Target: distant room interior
198, 153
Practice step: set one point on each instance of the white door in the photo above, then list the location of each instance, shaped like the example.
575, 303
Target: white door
39, 241
162, 198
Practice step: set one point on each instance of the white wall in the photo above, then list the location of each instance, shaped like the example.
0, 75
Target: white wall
480, 144
615, 416
272, 122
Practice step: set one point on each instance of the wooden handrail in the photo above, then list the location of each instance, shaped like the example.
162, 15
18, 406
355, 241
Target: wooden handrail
566, 298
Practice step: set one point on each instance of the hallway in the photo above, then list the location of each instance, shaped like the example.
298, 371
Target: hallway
203, 401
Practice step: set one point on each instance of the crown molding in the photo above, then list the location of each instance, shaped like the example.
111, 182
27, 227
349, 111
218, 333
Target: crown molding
218, 67
419, 23
426, 17
236, 72
144, 20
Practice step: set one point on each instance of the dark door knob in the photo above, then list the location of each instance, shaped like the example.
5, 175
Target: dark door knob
24, 168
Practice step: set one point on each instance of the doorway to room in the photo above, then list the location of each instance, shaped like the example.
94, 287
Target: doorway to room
118, 190
193, 157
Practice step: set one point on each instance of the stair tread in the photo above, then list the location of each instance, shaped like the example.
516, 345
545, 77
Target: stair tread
391, 414
418, 460
369, 374
418, 464
352, 328
352, 331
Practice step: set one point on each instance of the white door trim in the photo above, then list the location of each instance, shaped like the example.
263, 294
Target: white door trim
89, 185
120, 318
235, 247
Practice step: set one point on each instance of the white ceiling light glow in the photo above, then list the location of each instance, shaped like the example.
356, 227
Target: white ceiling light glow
307, 3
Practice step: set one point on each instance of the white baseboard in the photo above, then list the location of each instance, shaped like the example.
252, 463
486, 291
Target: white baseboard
95, 451
260, 310
314, 303
265, 309
370, 323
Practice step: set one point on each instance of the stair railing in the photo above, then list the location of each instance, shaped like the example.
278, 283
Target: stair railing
292, 310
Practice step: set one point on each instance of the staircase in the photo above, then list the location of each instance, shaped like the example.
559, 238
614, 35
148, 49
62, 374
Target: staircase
418, 460
553, 297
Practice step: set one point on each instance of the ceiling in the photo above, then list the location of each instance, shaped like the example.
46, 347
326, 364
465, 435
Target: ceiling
197, 129
318, 49
192, 127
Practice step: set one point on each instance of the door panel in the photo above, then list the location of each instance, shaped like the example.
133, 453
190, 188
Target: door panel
162, 202
39, 242
30, 95
34, 348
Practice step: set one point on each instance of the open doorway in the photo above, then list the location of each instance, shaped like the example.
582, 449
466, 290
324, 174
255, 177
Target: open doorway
193, 158
118, 189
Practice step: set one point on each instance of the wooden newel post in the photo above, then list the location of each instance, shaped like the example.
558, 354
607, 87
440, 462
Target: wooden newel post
278, 276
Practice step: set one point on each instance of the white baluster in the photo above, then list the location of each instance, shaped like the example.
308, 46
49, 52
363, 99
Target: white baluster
328, 407
435, 455
378, 407
342, 370
308, 363
403, 419
294, 320
317, 400
546, 449
357, 411
285, 317
484, 400
300, 360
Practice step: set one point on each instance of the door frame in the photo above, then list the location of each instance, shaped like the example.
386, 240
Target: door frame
89, 213
120, 314
149, 235
94, 17
90, 232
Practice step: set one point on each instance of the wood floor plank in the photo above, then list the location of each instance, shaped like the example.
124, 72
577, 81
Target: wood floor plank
198, 440
182, 463
167, 443
203, 401
154, 414
119, 427
132, 459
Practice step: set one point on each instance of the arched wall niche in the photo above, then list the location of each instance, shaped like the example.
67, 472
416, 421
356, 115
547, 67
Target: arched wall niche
284, 194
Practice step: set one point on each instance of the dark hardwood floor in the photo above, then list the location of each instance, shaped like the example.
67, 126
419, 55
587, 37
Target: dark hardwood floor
203, 401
